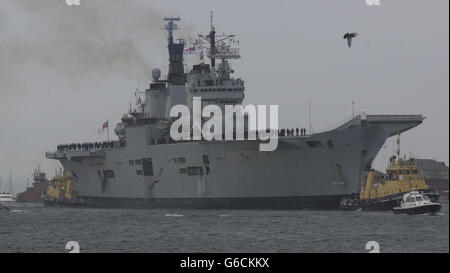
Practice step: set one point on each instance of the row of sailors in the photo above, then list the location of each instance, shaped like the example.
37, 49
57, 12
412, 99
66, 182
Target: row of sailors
86, 146
111, 144
292, 132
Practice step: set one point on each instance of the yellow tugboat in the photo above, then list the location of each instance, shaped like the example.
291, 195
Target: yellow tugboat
402, 176
62, 192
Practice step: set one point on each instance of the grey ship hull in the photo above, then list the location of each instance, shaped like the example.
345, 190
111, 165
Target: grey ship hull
282, 203
304, 172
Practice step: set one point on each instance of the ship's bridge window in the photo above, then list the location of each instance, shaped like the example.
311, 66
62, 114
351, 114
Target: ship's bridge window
137, 161
205, 159
181, 160
195, 171
330, 145
147, 166
314, 143
418, 198
108, 173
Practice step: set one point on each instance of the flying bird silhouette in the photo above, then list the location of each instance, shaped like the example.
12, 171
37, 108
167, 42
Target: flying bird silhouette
349, 37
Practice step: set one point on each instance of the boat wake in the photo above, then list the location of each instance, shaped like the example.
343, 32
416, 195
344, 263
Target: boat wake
174, 215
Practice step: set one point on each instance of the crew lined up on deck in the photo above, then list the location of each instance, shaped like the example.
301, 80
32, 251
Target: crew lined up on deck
87, 146
113, 144
292, 132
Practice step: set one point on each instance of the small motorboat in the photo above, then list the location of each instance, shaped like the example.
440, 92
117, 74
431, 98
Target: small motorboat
415, 203
350, 203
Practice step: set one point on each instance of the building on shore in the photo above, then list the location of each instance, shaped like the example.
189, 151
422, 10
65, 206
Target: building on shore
435, 174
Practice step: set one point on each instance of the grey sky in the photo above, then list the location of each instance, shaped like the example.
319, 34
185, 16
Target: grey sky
65, 70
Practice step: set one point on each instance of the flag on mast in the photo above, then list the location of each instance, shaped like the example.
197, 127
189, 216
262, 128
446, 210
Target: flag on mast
102, 130
190, 51
105, 125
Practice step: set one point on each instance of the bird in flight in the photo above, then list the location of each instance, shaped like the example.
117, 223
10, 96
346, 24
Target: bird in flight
349, 37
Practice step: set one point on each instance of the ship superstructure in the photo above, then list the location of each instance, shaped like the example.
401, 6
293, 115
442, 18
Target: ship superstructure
213, 82
145, 167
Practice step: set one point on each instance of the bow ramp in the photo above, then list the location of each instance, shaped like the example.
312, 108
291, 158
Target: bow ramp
391, 123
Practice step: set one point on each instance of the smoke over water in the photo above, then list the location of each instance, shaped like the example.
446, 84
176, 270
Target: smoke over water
66, 69
99, 36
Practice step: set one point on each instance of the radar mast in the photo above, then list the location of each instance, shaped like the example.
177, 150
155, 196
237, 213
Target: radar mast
218, 46
176, 73
170, 27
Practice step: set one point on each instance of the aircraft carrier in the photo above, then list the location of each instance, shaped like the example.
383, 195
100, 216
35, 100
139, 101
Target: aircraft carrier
145, 167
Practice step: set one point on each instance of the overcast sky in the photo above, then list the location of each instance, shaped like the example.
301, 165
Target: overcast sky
65, 70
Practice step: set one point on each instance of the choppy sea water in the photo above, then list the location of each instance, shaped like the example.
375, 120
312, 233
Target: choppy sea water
32, 228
